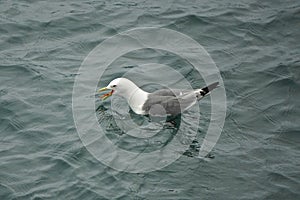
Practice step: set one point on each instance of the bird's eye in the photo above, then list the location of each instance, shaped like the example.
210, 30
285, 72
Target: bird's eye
114, 86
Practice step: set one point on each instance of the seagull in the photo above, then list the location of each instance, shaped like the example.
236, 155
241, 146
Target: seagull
163, 102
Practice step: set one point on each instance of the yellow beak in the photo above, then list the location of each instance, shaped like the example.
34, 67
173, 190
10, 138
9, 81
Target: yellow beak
103, 97
102, 89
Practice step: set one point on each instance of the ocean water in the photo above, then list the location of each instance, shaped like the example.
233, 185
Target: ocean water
256, 47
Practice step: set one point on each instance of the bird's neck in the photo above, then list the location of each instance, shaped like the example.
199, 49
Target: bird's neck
136, 99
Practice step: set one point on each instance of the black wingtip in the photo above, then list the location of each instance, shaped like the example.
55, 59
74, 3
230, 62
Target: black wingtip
213, 86
210, 87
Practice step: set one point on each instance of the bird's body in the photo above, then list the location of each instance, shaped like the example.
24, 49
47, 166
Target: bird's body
159, 103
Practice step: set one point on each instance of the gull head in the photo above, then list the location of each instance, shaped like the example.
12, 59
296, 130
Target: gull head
119, 86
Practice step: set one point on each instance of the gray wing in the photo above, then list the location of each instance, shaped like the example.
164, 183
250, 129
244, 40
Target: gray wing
173, 92
168, 105
180, 93
175, 101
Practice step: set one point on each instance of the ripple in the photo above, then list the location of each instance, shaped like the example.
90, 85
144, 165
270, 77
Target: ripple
254, 44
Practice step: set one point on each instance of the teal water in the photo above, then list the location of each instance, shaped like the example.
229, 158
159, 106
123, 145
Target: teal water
255, 45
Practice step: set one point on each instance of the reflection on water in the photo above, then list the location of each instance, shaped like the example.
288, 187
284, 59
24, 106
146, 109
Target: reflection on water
255, 45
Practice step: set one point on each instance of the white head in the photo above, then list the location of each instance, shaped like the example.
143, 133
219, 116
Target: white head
120, 86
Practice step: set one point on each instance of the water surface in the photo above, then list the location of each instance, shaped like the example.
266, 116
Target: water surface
255, 45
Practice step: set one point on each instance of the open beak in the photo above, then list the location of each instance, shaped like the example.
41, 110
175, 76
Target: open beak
103, 97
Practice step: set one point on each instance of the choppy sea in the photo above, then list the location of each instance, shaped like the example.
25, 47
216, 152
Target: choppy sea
256, 47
